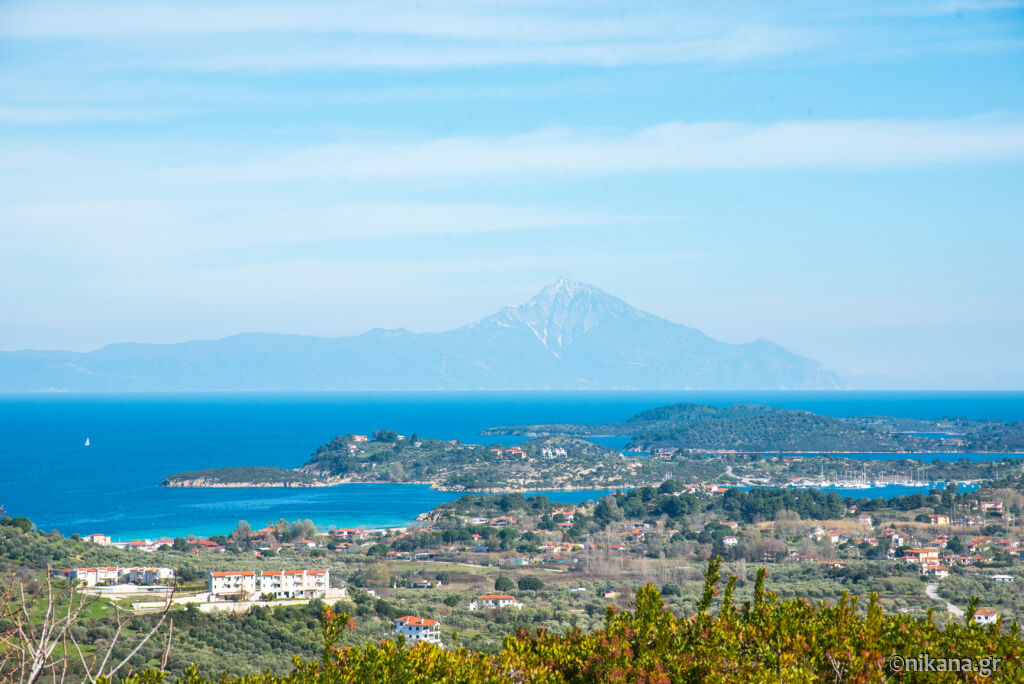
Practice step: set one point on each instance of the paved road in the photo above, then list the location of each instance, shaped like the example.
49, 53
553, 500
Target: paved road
932, 594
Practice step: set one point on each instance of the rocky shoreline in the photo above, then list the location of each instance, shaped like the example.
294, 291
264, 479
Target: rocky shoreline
206, 483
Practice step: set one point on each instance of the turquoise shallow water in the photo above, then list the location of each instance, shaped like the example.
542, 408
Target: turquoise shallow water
135, 440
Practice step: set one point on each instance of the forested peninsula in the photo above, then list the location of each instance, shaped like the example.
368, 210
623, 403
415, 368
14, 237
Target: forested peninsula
679, 436
756, 428
551, 462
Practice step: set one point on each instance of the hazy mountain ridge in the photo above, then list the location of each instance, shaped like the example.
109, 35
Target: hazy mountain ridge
570, 336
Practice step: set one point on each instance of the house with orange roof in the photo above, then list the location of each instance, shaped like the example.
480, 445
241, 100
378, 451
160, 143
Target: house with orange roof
232, 585
295, 584
494, 601
417, 629
920, 555
985, 617
147, 575
92, 576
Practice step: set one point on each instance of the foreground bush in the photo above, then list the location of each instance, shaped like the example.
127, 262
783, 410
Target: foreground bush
764, 641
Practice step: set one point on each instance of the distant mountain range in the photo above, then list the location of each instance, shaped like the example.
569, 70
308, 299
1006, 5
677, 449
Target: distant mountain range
570, 336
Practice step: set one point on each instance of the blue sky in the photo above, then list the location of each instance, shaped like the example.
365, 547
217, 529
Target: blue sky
842, 178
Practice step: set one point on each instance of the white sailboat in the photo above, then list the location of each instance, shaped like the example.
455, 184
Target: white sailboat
86, 441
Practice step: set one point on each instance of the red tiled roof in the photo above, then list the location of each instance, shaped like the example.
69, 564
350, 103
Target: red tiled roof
416, 621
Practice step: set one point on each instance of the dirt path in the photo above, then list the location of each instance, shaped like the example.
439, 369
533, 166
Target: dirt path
932, 594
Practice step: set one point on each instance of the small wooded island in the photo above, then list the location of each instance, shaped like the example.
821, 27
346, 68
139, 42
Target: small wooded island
756, 428
693, 442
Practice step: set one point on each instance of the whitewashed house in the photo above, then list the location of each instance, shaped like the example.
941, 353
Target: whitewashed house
985, 617
494, 601
417, 629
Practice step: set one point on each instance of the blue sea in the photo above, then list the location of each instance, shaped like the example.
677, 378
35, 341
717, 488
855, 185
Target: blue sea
112, 486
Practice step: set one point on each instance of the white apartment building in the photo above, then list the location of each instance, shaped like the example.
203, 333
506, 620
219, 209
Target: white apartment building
148, 575
295, 583
417, 629
494, 601
238, 585
108, 575
93, 576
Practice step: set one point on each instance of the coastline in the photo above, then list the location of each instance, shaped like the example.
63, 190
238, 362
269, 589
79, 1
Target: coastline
435, 486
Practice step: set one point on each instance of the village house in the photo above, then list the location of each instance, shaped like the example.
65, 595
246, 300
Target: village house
920, 555
934, 570
864, 519
425, 584
205, 545
985, 617
101, 539
1002, 578
938, 519
832, 564
730, 541
991, 506
494, 601
896, 539
350, 533
503, 521
976, 544
419, 629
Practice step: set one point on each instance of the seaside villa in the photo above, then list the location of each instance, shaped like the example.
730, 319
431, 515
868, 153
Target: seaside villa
245, 585
417, 629
494, 601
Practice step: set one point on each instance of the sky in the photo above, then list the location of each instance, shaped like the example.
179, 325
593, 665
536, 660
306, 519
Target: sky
843, 178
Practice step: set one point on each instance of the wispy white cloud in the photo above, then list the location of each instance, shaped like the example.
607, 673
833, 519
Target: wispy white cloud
21, 114
404, 34
110, 231
458, 19
669, 147
533, 22
219, 36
